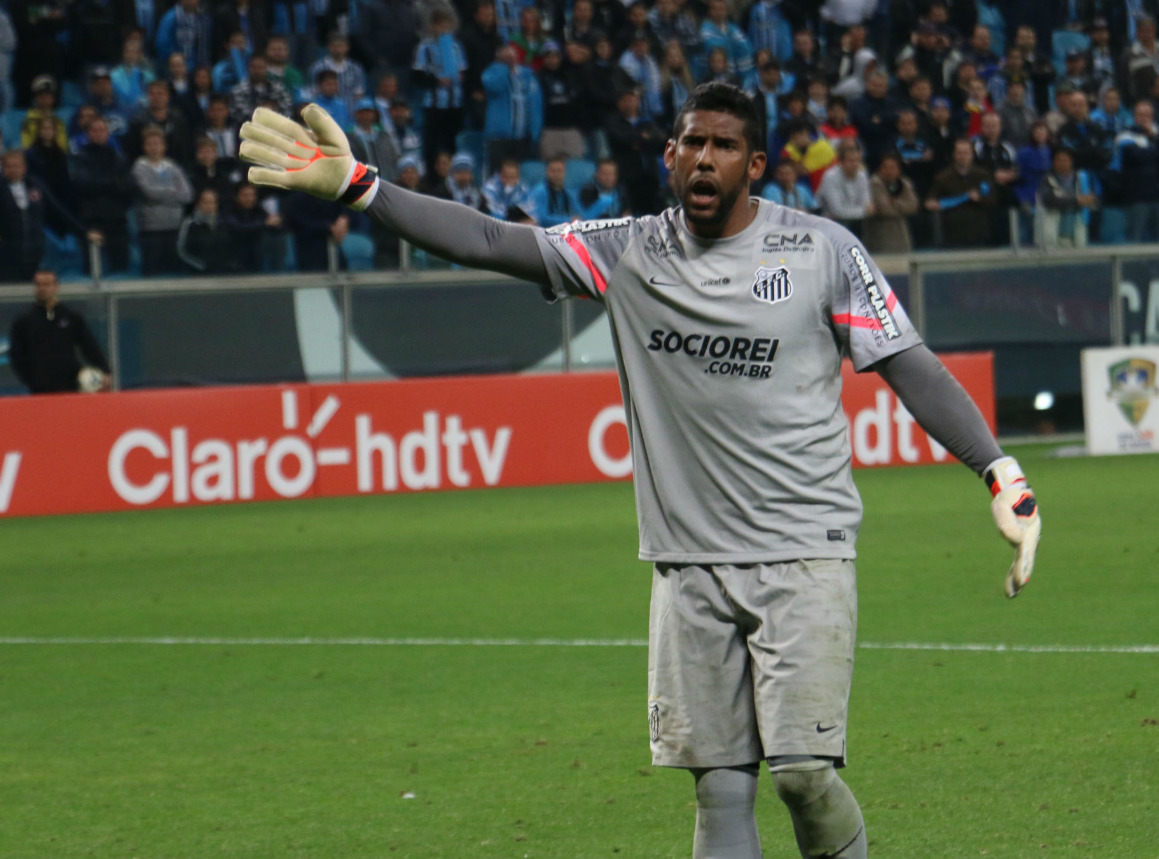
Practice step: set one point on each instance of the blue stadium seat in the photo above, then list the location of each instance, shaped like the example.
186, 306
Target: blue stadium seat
10, 121
64, 252
580, 171
532, 173
71, 95
359, 251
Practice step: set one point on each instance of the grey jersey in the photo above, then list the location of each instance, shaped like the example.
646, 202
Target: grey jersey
729, 354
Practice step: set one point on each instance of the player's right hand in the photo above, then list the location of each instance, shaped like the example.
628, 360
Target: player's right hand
1016, 514
314, 158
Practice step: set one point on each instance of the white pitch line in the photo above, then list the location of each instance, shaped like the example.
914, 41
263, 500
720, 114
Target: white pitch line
556, 642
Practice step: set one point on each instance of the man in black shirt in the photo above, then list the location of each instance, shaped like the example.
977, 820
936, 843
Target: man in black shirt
46, 338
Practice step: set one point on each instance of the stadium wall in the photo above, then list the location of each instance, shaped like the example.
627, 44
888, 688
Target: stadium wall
147, 449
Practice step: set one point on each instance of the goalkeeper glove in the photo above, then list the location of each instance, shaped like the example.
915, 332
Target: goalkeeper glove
315, 158
1016, 514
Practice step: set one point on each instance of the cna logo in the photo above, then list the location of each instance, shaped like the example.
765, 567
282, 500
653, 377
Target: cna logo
788, 243
145, 465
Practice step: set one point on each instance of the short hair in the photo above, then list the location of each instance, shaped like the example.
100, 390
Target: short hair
787, 162
796, 126
152, 131
555, 158
219, 98
511, 162
848, 145
157, 83
723, 98
325, 74
204, 140
837, 101
892, 155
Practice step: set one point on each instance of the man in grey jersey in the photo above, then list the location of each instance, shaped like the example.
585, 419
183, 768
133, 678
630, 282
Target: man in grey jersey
730, 316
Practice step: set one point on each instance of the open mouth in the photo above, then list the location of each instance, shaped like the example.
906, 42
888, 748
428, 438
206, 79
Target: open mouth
702, 192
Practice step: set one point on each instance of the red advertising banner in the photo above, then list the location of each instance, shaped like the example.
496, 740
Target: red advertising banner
81, 453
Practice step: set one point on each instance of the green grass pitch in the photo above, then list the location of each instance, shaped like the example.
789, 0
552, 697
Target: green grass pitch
339, 752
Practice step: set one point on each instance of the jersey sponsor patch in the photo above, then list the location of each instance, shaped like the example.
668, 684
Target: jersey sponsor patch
776, 243
772, 284
589, 226
745, 357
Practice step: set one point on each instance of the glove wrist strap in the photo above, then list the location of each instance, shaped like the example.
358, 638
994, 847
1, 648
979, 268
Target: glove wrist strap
360, 188
1003, 474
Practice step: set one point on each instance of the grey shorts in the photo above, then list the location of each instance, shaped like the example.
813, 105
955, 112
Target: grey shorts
751, 661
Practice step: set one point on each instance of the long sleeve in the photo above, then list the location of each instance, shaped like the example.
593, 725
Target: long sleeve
18, 352
940, 405
90, 350
459, 233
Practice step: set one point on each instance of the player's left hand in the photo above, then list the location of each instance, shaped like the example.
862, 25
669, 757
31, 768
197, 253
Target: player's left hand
1016, 514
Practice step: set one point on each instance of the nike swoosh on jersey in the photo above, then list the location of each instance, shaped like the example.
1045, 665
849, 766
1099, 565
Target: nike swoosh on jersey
821, 730
654, 282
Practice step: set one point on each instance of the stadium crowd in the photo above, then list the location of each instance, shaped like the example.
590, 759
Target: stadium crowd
918, 123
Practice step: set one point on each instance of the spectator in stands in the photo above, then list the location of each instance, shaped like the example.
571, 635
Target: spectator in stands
766, 100
636, 144
79, 126
507, 196
817, 101
769, 29
104, 192
1078, 75
219, 128
41, 43
187, 30
915, 153
327, 97
195, 103
230, 70
670, 23
514, 117
437, 181
369, 143
47, 164
22, 217
976, 105
203, 241
963, 194
1136, 169
941, 133
1016, 114
210, 170
256, 238
404, 137
159, 113
102, 98
280, 70
462, 182
805, 62
1000, 160
1090, 146
245, 17
603, 197
719, 69
7, 49
1110, 115
552, 203
930, 53
48, 340
719, 31
844, 192
854, 81
528, 42
874, 116
786, 190
130, 78
439, 66
257, 89
562, 90
1102, 57
180, 85
609, 17
384, 95
837, 126
812, 156
1140, 62
1065, 200
316, 225
636, 27
603, 79
388, 31
920, 101
43, 107
480, 40
1036, 66
986, 62
1034, 160
894, 201
164, 192
410, 175
350, 75
642, 68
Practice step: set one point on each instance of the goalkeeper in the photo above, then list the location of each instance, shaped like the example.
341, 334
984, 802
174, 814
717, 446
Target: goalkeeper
730, 316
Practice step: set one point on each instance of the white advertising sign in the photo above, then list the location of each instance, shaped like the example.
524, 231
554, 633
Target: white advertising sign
1120, 396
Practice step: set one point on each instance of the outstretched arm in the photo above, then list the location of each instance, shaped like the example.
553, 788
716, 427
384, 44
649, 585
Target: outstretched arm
316, 159
944, 410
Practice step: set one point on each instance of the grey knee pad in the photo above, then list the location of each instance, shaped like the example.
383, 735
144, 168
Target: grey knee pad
826, 818
725, 822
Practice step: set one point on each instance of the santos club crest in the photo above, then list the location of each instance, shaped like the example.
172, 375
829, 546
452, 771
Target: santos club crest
772, 284
1132, 387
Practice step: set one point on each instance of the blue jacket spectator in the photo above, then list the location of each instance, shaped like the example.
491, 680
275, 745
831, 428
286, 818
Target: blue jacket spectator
514, 102
186, 29
552, 203
1033, 164
231, 69
718, 31
507, 197
643, 70
769, 30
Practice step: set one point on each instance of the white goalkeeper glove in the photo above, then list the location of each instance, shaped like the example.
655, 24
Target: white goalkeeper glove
1016, 514
314, 158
